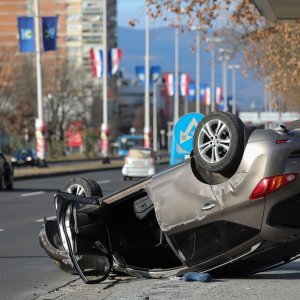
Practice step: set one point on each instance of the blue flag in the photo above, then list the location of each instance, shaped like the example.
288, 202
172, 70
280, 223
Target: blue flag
26, 34
49, 25
154, 74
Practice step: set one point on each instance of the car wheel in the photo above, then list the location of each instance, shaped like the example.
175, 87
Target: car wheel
82, 187
125, 178
10, 185
219, 142
2, 182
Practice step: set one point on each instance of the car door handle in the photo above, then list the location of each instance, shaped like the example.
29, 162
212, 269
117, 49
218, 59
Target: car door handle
208, 206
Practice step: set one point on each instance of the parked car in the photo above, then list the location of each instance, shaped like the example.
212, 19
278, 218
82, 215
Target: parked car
232, 208
24, 156
139, 162
6, 173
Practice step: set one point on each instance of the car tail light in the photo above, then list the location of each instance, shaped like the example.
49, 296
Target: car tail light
282, 141
271, 184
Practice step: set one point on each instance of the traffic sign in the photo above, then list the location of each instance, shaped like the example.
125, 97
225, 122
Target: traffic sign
182, 137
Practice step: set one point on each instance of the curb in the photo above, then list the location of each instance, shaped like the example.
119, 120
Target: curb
51, 172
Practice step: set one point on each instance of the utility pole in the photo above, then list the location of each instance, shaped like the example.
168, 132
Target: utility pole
104, 126
147, 82
176, 98
198, 45
155, 117
38, 60
233, 68
224, 57
212, 41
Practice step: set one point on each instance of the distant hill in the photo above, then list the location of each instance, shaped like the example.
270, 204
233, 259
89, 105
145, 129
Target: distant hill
162, 53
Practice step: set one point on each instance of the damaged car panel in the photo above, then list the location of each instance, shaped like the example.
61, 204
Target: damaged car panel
231, 221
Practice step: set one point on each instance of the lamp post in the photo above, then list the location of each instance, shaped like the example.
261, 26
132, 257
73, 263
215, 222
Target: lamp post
198, 65
176, 97
234, 68
147, 82
224, 58
212, 41
104, 126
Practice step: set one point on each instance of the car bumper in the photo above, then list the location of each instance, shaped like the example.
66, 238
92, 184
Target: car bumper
138, 172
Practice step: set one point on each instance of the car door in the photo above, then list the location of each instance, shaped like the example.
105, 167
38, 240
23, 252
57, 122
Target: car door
189, 214
84, 234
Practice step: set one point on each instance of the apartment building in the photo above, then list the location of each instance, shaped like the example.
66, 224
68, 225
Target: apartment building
80, 27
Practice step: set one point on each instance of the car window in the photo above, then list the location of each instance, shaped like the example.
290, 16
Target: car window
140, 153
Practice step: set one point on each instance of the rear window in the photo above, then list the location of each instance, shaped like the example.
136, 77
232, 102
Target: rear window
140, 153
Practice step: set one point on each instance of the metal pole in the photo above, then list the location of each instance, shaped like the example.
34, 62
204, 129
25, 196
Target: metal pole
198, 45
147, 82
38, 60
212, 87
155, 117
234, 91
224, 82
176, 98
186, 104
104, 126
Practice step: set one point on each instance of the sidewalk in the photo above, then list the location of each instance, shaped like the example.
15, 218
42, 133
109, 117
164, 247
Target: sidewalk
27, 173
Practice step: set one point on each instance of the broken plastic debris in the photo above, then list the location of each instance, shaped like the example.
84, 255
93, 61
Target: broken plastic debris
194, 276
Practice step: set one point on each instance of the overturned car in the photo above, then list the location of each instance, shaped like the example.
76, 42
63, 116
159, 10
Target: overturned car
232, 208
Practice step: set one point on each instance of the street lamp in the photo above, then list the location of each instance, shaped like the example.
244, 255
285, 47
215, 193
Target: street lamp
147, 82
212, 41
234, 68
225, 55
176, 98
198, 47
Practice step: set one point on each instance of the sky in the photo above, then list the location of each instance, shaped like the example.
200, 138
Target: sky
249, 88
130, 9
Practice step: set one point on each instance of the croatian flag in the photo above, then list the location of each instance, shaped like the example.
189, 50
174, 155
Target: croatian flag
169, 77
114, 58
97, 57
206, 100
219, 95
184, 84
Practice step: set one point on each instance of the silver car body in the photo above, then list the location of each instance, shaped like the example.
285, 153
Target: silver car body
211, 227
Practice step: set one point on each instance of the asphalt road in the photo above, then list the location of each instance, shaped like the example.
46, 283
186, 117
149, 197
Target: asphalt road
27, 273
25, 270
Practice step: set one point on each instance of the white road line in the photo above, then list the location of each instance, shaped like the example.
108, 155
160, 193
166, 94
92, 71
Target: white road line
104, 181
32, 194
1, 229
42, 220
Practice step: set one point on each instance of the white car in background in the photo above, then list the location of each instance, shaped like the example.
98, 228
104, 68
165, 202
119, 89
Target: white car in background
139, 162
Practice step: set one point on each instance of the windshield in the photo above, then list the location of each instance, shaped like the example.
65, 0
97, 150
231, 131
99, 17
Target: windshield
140, 153
127, 143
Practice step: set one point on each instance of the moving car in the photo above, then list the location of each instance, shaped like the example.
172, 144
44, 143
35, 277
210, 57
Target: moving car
232, 208
24, 156
6, 173
139, 162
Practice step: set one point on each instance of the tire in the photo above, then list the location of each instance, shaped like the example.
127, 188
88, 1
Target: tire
218, 143
82, 187
10, 185
2, 182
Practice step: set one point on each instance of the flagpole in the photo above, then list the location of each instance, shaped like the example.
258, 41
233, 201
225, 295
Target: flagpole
147, 82
176, 97
38, 60
104, 126
155, 117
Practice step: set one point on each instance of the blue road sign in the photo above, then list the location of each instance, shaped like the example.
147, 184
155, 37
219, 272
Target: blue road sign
182, 137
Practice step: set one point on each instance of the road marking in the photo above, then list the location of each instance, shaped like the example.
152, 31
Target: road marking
48, 218
32, 194
104, 181
1, 229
